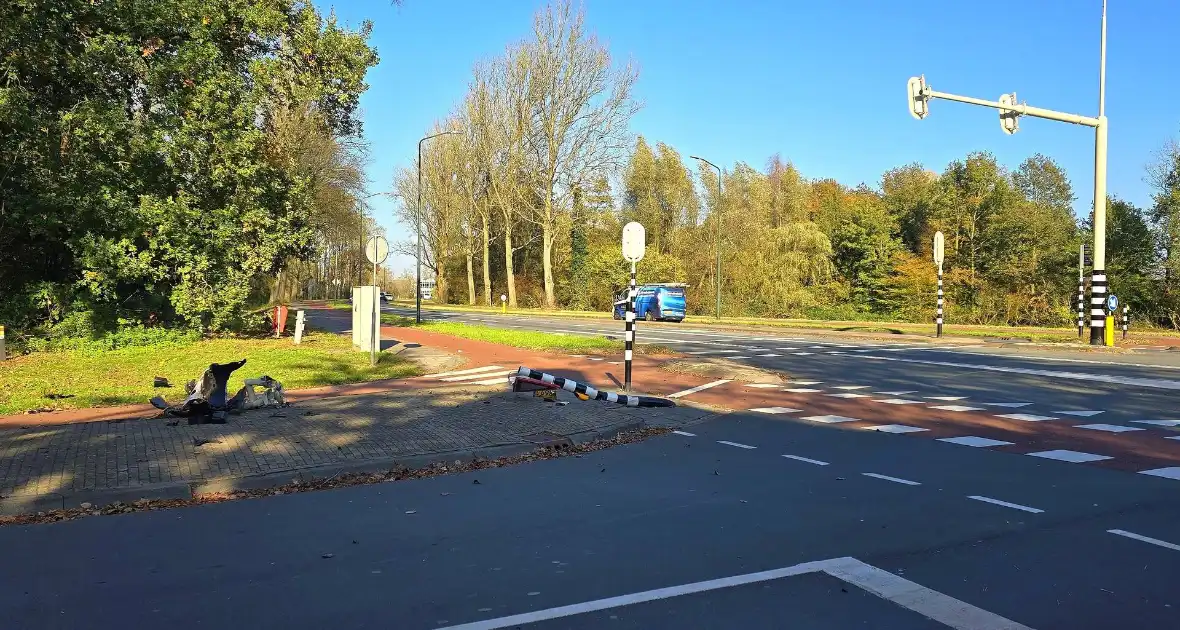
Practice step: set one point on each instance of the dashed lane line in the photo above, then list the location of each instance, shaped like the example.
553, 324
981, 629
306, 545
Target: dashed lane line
956, 408
807, 460
975, 441
1086, 413
1159, 423
737, 444
830, 419
1172, 472
1073, 457
1109, 428
775, 410
1141, 538
906, 482
685, 433
1014, 506
895, 428
1025, 417
1156, 383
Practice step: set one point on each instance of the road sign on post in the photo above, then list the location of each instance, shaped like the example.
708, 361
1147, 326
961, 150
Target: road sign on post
939, 256
503, 304
919, 104
1009, 118
634, 245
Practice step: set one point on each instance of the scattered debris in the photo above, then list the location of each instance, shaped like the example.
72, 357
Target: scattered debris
399, 473
160, 381
411, 511
58, 396
327, 555
204, 441
206, 398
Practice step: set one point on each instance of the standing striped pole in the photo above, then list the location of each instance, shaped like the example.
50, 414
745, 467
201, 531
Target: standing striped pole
1098, 306
630, 338
938, 316
1126, 319
1081, 306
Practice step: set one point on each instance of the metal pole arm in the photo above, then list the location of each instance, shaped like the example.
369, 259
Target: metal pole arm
1025, 110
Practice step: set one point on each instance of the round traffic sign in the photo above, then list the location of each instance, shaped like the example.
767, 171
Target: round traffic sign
1112, 302
377, 249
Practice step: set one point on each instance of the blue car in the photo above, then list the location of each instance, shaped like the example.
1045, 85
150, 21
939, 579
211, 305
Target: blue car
664, 302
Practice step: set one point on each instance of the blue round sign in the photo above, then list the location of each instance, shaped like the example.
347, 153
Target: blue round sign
1112, 302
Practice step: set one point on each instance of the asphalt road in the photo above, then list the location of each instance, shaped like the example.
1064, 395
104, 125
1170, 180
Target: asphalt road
856, 530
1125, 388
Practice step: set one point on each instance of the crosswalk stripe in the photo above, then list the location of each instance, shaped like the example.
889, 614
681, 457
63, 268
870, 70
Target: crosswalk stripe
471, 377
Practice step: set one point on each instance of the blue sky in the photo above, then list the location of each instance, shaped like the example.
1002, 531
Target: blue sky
822, 83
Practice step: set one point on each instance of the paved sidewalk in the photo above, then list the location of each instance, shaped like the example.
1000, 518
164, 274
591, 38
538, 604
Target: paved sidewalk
102, 462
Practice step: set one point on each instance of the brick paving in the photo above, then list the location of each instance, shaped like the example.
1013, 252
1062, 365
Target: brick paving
92, 457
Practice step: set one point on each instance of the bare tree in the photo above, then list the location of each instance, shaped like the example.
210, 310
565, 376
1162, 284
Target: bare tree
579, 109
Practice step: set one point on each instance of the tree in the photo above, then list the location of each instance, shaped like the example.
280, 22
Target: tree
579, 108
1164, 175
659, 193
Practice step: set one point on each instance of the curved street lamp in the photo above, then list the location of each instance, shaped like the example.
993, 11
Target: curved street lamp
418, 227
717, 247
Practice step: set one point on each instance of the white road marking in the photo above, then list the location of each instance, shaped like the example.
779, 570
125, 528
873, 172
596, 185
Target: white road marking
895, 428
1026, 417
770, 354
1142, 538
786, 349
956, 408
977, 442
1159, 423
912, 596
818, 382
802, 390
713, 352
1156, 383
851, 387
1172, 472
470, 377
849, 395
806, 459
898, 401
831, 419
1080, 414
946, 398
763, 385
893, 479
802, 354
1073, 457
773, 410
486, 368
685, 433
737, 444
741, 356
595, 358
693, 390
1015, 506
490, 381
1109, 428
1174, 437
1008, 405
899, 393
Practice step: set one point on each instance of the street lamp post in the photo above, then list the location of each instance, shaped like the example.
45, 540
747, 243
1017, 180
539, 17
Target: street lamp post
717, 246
418, 229
920, 96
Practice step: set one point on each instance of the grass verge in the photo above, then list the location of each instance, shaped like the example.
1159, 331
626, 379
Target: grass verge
74, 379
527, 339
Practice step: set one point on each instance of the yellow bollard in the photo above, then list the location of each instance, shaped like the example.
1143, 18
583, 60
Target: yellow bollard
1108, 331
3, 354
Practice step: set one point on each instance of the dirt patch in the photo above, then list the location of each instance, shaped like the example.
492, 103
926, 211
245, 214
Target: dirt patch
724, 368
429, 360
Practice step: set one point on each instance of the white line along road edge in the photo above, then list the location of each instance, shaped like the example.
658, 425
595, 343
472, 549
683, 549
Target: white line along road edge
929, 603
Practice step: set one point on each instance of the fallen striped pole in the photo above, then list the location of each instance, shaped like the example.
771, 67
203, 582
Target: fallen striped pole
586, 390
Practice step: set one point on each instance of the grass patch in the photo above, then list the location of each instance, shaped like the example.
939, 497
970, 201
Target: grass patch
124, 375
527, 339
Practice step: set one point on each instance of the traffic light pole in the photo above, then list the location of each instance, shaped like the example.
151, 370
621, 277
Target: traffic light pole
920, 96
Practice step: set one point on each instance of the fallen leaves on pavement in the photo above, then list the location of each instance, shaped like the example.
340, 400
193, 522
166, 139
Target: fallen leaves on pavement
398, 473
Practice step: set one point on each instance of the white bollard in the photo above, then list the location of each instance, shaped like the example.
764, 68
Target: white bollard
299, 326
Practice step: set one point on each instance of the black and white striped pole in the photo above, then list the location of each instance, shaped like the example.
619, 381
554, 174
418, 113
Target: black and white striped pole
1126, 319
634, 244
589, 392
1082, 291
939, 255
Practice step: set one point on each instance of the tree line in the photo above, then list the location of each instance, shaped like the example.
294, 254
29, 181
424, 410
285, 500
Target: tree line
176, 160
527, 192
